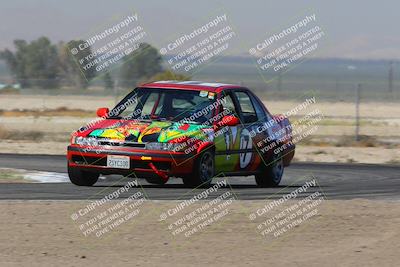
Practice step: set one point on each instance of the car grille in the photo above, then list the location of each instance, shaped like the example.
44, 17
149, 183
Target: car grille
105, 142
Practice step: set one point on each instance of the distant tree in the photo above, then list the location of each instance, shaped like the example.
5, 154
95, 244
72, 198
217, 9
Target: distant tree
169, 75
33, 64
108, 81
68, 68
10, 60
72, 66
141, 64
17, 62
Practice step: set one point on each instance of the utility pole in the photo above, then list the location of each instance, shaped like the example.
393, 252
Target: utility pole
390, 77
358, 89
336, 85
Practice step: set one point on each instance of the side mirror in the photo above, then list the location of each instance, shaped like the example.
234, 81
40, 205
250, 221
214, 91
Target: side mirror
228, 120
102, 112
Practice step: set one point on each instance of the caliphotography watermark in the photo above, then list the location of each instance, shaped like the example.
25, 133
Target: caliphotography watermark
192, 216
281, 216
211, 125
281, 135
102, 216
280, 50
107, 46
95, 144
200, 45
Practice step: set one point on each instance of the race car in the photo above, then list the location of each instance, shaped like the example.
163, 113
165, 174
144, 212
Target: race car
185, 129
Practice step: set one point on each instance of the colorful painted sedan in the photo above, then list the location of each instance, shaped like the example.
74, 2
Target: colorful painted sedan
190, 130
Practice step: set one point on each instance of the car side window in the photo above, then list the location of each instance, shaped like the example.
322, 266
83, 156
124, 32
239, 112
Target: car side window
261, 114
229, 106
149, 104
141, 105
247, 107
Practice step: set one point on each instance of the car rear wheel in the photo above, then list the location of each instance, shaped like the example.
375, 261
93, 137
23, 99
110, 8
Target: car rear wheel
271, 175
82, 178
203, 171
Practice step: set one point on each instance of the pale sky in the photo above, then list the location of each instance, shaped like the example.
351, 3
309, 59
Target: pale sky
355, 29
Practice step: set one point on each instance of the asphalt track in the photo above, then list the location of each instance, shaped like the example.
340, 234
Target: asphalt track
335, 181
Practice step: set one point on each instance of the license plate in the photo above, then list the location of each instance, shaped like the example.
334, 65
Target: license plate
119, 162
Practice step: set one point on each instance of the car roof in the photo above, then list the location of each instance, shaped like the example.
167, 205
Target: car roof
191, 85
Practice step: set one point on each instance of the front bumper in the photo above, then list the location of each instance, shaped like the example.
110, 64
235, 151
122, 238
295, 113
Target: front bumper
95, 160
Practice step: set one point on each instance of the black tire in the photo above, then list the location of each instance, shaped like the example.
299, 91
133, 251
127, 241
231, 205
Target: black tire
82, 178
155, 180
271, 175
203, 171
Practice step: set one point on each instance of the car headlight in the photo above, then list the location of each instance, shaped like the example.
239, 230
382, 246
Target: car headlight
163, 146
86, 141
78, 140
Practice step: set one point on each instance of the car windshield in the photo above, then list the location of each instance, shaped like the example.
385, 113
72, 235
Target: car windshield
165, 104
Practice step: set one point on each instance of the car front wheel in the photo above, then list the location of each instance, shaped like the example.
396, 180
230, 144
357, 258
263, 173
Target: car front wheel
203, 172
82, 178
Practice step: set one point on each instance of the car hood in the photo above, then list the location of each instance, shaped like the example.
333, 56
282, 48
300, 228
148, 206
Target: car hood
152, 131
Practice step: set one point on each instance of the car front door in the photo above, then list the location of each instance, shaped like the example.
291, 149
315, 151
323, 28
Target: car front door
235, 149
227, 138
249, 156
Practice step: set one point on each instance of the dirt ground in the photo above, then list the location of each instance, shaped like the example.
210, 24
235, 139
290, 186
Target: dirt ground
343, 233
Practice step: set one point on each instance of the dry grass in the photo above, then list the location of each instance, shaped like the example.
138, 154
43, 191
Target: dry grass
348, 141
364, 141
9, 91
60, 111
20, 135
11, 176
319, 152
